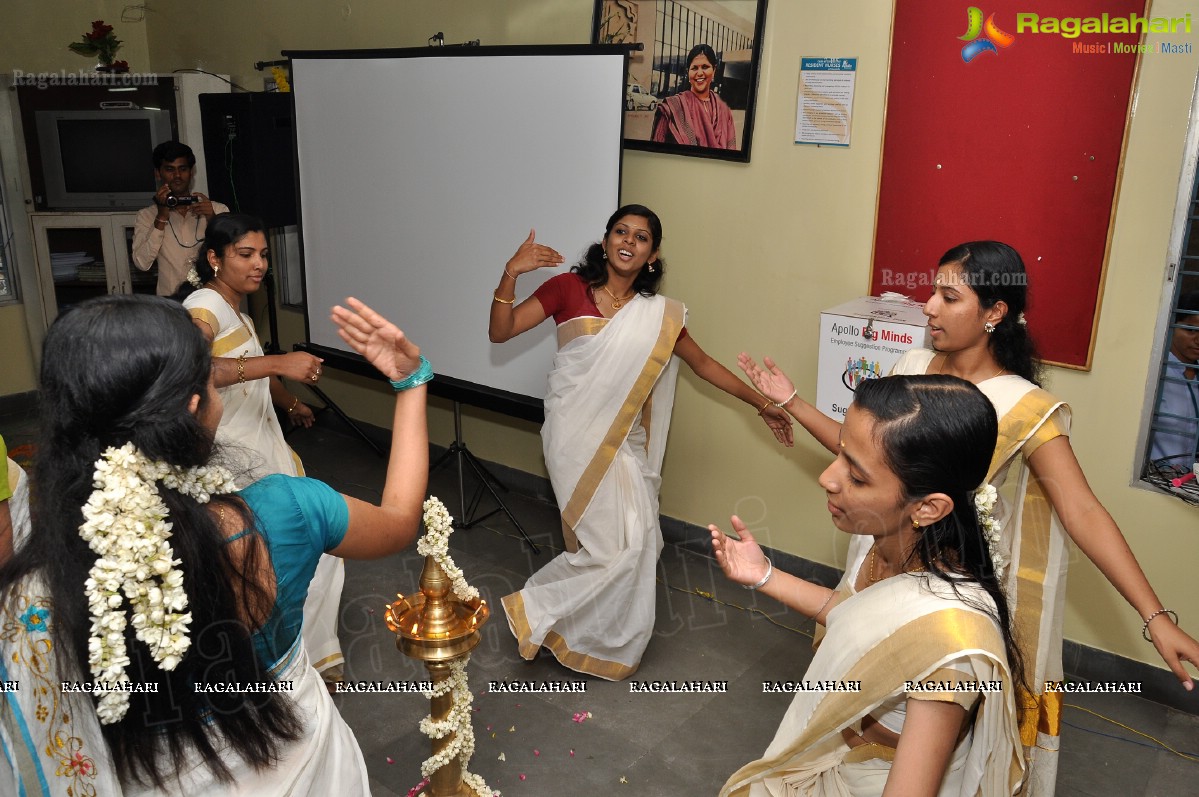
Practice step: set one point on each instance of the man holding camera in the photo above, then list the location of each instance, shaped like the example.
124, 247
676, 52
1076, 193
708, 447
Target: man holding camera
171, 230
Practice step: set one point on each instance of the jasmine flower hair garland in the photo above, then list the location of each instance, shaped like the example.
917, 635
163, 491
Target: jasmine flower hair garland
126, 524
984, 501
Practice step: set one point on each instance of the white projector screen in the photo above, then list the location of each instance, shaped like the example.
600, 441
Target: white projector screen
421, 171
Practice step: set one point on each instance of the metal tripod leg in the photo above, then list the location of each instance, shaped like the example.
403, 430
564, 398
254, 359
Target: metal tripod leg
487, 481
330, 404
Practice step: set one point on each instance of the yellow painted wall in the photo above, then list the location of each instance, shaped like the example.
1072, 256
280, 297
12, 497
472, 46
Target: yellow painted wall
16, 361
34, 34
757, 250
33, 38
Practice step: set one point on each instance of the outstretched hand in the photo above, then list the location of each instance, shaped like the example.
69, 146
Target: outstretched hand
1175, 646
377, 339
299, 365
770, 381
531, 255
780, 424
741, 560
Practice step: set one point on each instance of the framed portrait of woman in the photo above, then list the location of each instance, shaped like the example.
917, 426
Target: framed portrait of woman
691, 86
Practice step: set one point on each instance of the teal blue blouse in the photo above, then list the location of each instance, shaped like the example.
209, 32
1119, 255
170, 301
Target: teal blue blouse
299, 519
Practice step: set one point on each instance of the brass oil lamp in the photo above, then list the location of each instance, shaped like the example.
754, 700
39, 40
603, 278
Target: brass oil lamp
438, 628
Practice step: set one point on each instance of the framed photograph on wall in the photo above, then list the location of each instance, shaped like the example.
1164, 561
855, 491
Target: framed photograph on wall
691, 88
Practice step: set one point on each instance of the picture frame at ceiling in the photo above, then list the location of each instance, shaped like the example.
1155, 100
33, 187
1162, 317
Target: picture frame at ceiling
664, 110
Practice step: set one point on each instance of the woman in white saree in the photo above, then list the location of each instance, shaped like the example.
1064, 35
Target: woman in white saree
230, 266
912, 687
150, 627
976, 322
607, 411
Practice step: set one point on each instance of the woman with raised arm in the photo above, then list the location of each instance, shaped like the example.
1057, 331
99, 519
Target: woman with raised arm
976, 322
607, 410
912, 689
153, 619
230, 266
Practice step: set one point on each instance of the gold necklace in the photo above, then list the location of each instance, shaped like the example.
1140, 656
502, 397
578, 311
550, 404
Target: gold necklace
617, 303
945, 358
232, 306
870, 576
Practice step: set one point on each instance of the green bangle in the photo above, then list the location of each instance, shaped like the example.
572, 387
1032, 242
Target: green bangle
422, 374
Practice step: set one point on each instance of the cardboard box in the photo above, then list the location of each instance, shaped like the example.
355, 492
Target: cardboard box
863, 339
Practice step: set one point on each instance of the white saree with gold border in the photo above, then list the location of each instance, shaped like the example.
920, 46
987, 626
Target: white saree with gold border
252, 443
607, 413
902, 629
1036, 544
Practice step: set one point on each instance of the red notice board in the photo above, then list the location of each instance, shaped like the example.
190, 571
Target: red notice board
1021, 144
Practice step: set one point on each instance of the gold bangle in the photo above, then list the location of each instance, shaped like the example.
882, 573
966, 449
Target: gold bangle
764, 406
241, 368
293, 406
509, 273
827, 601
497, 298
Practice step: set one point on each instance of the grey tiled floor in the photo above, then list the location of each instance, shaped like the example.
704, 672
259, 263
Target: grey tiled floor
662, 745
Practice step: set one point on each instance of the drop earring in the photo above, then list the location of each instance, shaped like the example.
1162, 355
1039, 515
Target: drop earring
650, 266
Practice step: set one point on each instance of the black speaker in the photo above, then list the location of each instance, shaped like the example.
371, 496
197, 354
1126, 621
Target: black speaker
249, 151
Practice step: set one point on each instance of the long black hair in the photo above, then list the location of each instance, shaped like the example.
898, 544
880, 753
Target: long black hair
996, 273
223, 230
937, 433
122, 369
593, 268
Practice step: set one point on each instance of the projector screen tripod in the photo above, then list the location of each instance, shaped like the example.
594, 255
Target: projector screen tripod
487, 482
272, 347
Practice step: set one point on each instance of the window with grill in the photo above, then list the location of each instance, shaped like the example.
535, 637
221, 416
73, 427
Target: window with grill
1172, 436
8, 287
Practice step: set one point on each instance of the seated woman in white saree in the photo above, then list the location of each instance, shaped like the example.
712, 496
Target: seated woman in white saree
917, 634
607, 411
230, 266
168, 601
978, 332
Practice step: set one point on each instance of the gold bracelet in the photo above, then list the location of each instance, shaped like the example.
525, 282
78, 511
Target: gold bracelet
764, 406
497, 298
241, 369
827, 601
293, 406
509, 273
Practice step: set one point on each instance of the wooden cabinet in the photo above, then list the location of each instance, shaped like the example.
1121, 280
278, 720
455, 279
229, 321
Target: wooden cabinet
84, 255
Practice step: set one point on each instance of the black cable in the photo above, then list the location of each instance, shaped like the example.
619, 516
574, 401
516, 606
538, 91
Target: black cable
214, 74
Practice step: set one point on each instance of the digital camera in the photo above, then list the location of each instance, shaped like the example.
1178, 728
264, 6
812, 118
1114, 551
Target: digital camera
183, 199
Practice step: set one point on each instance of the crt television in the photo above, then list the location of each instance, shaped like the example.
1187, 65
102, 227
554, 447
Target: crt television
100, 159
